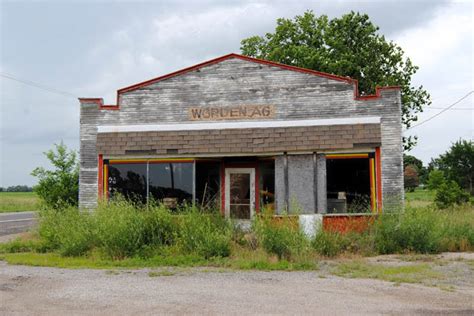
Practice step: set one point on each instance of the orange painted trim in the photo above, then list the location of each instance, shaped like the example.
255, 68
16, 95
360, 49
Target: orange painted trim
372, 185
378, 174
348, 223
346, 156
100, 165
348, 80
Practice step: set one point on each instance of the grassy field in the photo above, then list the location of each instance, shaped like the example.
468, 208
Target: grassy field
18, 201
419, 197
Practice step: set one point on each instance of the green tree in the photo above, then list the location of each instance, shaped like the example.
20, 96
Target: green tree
346, 46
458, 164
410, 177
60, 186
409, 160
435, 179
450, 193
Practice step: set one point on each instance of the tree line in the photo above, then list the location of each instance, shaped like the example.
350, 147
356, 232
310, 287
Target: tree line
17, 188
451, 175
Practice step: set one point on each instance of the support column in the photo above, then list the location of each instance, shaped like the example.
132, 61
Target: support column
321, 195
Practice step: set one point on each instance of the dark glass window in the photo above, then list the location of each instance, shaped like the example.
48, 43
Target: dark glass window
348, 185
208, 183
129, 180
267, 184
171, 181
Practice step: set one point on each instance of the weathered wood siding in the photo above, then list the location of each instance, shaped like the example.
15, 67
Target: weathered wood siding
235, 82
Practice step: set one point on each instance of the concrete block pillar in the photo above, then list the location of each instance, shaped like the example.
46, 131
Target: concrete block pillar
321, 184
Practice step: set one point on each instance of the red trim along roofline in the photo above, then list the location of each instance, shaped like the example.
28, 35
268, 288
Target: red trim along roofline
348, 80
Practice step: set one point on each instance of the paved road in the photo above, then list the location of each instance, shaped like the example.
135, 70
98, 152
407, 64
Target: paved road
52, 291
17, 222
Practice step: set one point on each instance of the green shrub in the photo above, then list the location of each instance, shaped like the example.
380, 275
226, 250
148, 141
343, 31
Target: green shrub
435, 179
449, 194
281, 238
159, 226
415, 229
208, 235
328, 243
69, 230
120, 228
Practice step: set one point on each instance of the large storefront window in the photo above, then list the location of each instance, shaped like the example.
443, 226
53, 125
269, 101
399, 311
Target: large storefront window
171, 182
128, 180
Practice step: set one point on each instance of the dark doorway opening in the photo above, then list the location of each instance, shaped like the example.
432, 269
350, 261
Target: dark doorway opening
348, 185
208, 184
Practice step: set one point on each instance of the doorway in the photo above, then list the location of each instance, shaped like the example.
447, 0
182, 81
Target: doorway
240, 193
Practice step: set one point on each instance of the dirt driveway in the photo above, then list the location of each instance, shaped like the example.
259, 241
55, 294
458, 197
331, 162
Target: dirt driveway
53, 291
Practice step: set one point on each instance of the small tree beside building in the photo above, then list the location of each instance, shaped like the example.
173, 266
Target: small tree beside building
410, 176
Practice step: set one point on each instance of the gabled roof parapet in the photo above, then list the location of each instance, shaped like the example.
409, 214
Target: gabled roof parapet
348, 80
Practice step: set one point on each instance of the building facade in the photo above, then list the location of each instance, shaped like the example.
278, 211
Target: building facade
242, 134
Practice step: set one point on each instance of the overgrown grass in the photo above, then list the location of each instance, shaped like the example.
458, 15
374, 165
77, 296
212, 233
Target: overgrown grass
123, 234
412, 273
18, 202
420, 197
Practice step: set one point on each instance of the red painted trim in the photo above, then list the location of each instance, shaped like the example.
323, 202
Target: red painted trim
378, 175
257, 189
139, 85
100, 103
222, 188
101, 176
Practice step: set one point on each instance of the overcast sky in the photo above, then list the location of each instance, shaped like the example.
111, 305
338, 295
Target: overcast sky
91, 49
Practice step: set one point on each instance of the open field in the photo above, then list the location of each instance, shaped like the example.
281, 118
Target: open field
419, 198
18, 201
440, 284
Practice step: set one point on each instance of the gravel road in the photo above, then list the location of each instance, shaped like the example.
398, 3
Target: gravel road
52, 291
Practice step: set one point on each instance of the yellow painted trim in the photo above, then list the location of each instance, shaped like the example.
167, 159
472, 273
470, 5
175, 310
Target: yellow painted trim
170, 159
372, 185
150, 160
332, 156
105, 187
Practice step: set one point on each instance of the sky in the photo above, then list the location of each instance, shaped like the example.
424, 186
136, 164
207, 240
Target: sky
93, 48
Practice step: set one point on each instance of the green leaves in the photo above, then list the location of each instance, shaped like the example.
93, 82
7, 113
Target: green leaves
60, 185
346, 46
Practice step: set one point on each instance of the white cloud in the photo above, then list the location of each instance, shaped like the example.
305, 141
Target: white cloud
443, 48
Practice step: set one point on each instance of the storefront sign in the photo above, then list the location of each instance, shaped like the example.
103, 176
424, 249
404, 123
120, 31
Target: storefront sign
232, 113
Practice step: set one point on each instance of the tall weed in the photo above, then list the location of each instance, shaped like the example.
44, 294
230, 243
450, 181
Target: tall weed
280, 237
208, 235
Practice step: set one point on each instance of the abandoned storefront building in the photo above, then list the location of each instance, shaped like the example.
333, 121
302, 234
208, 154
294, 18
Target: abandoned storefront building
242, 134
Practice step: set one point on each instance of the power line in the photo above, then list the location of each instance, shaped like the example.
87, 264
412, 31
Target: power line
441, 112
36, 85
455, 109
